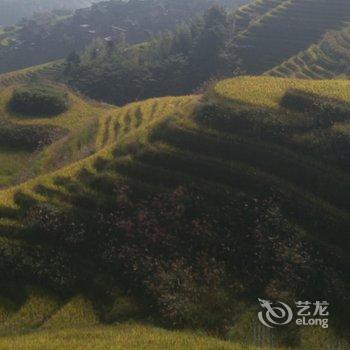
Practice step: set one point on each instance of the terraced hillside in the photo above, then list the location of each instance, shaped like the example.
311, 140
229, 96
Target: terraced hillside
72, 133
113, 126
152, 157
132, 126
246, 15
47, 71
281, 29
327, 59
262, 137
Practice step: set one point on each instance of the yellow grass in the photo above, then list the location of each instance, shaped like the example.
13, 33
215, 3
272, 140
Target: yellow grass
165, 106
24, 74
120, 337
79, 121
77, 312
12, 164
37, 308
267, 91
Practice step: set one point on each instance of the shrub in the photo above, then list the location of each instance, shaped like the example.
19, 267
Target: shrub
38, 100
297, 100
28, 136
171, 256
244, 117
122, 308
325, 110
193, 296
313, 338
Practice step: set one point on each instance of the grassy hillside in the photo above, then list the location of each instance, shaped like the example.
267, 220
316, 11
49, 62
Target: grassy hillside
134, 124
41, 72
326, 59
246, 145
246, 15
117, 338
278, 30
114, 126
74, 324
75, 138
49, 323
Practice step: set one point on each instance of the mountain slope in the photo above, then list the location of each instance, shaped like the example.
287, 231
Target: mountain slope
286, 27
47, 321
246, 15
135, 122
264, 156
327, 59
132, 121
46, 37
12, 11
75, 132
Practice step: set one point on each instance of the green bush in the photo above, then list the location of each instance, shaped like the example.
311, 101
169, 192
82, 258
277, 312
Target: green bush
28, 137
38, 100
325, 110
122, 308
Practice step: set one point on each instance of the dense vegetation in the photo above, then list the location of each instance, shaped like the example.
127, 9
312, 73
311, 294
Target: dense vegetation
172, 64
211, 47
52, 36
38, 100
273, 30
177, 211
28, 137
137, 219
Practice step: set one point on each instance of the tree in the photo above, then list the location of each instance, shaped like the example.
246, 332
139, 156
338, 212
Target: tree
110, 46
210, 44
72, 61
182, 40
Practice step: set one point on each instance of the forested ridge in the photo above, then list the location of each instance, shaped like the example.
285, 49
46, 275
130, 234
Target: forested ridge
173, 63
51, 36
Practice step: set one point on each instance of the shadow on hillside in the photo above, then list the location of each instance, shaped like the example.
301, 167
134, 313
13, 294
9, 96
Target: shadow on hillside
253, 194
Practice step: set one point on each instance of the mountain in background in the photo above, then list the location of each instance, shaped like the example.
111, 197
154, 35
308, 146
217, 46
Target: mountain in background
11, 11
304, 39
52, 36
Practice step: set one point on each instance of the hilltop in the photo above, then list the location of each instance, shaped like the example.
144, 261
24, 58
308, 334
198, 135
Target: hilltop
134, 214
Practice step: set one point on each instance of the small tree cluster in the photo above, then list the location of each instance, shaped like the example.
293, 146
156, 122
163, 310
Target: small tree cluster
38, 101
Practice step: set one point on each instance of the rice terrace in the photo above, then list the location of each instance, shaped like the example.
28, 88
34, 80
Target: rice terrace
175, 175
